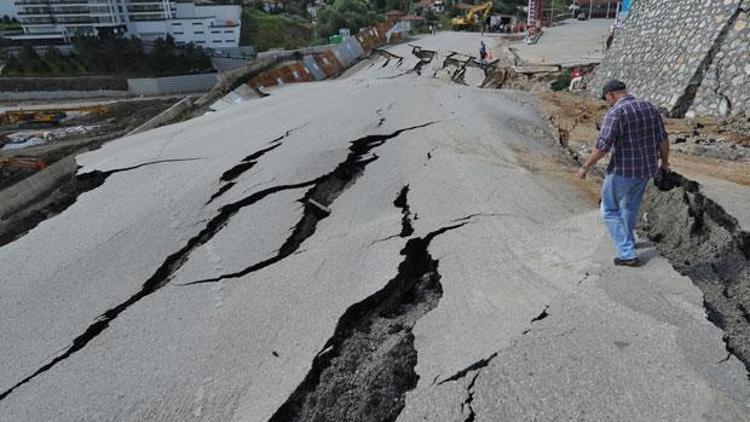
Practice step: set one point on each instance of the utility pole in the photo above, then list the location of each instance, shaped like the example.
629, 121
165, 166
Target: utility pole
552, 14
591, 7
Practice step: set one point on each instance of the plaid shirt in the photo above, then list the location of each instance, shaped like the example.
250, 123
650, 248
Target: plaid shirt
635, 129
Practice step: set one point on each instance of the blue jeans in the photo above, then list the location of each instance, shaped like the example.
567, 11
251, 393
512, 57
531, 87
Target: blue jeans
621, 200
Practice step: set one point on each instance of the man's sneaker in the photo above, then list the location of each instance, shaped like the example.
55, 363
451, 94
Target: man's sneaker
635, 262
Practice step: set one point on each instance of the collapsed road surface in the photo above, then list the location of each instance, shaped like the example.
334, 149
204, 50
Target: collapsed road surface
387, 246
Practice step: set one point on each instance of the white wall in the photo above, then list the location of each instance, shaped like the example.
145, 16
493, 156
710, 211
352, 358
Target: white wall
223, 14
148, 31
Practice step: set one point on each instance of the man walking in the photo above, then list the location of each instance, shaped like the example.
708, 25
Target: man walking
634, 131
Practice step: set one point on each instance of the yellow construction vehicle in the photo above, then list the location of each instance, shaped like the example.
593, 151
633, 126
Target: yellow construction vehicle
45, 117
470, 21
22, 117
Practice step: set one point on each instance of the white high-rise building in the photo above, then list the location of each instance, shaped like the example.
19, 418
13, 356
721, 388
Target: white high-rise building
57, 21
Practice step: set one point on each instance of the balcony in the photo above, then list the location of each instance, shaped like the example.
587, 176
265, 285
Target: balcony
52, 3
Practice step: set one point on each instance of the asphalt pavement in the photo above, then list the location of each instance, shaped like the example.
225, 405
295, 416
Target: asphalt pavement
236, 280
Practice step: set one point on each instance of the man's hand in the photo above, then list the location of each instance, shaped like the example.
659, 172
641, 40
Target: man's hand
582, 172
665, 165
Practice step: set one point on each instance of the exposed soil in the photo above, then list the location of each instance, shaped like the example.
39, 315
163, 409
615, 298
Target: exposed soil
577, 118
706, 244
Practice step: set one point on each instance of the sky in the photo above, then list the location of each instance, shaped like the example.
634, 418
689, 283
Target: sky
7, 8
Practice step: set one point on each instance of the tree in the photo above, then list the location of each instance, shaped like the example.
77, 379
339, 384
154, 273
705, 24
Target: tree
162, 58
31, 61
352, 14
52, 54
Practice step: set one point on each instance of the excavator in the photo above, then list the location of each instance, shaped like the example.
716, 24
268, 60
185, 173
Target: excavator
470, 21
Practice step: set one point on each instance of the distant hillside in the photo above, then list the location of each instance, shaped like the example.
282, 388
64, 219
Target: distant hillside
264, 31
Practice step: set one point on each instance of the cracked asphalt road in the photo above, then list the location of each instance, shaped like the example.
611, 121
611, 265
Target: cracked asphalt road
532, 323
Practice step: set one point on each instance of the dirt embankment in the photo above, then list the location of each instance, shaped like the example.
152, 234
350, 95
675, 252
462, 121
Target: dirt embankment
700, 147
699, 238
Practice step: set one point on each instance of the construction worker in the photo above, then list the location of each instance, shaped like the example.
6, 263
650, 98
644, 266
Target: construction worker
634, 131
482, 52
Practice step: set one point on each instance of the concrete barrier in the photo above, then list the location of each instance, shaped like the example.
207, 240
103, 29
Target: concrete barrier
59, 95
30, 189
165, 117
181, 84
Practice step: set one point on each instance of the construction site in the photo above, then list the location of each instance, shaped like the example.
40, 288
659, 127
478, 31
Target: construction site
391, 228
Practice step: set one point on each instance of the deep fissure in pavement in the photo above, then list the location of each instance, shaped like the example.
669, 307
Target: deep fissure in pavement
469, 400
706, 244
246, 164
325, 188
425, 57
319, 197
367, 366
159, 279
403, 203
65, 195
482, 363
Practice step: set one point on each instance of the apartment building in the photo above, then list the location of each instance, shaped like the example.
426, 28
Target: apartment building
58, 21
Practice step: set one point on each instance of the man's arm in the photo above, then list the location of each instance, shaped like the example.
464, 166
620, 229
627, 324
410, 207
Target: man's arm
664, 154
595, 156
604, 143
663, 145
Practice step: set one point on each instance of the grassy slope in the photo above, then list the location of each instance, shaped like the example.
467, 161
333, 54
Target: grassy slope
264, 31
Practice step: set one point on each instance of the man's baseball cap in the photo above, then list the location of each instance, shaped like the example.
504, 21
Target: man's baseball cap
612, 85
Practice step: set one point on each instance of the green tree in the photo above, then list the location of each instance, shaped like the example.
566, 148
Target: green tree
52, 54
30, 60
163, 57
352, 14
402, 5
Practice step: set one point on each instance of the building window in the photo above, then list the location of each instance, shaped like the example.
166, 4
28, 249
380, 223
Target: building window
178, 33
228, 32
216, 32
216, 41
197, 23
230, 41
176, 23
198, 32
200, 42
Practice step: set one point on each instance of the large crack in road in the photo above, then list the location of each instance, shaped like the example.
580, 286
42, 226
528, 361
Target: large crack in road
246, 164
367, 366
323, 190
703, 242
65, 195
318, 199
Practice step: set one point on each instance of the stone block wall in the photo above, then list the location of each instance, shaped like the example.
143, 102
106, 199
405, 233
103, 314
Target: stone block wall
686, 56
726, 85
180, 84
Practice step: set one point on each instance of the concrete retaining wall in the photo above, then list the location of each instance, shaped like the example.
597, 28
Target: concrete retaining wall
684, 55
59, 95
165, 117
87, 83
726, 85
30, 189
172, 84
225, 64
